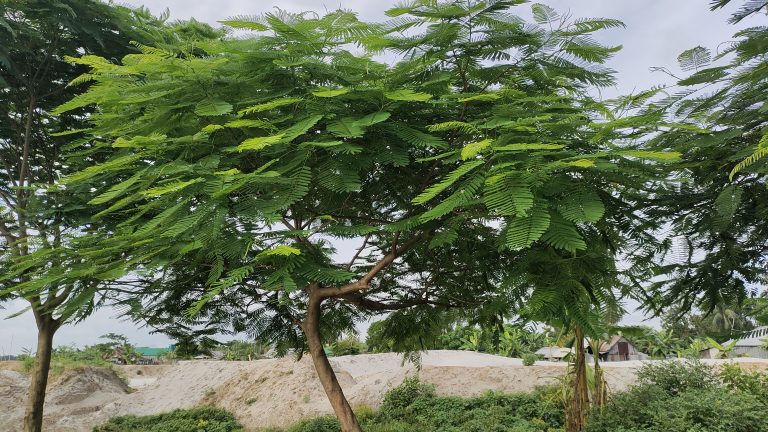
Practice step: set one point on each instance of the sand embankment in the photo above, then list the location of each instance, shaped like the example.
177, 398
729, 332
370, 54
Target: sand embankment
277, 392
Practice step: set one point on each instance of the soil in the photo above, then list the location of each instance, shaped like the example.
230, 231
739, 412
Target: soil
276, 392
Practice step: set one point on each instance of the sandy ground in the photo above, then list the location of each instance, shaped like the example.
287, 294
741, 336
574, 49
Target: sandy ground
276, 392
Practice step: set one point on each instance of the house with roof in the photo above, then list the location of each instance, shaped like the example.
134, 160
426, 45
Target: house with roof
152, 355
752, 344
553, 353
618, 348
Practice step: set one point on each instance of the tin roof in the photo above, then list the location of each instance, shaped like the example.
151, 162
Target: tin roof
755, 338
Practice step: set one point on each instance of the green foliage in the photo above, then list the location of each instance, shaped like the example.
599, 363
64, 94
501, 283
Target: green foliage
507, 340
649, 410
238, 350
203, 419
529, 359
754, 383
349, 345
398, 399
675, 377
713, 202
415, 404
683, 396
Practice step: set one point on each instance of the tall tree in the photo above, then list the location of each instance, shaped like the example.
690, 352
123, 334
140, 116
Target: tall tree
34, 148
234, 167
716, 203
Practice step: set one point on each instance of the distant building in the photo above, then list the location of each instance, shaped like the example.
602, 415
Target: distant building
618, 348
152, 355
750, 345
553, 353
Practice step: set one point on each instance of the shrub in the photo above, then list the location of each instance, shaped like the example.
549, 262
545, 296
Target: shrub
687, 396
398, 399
650, 409
348, 346
320, 424
753, 383
415, 404
529, 359
675, 377
203, 419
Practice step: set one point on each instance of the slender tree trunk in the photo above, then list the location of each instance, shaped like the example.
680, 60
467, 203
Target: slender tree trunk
576, 412
600, 395
33, 416
311, 328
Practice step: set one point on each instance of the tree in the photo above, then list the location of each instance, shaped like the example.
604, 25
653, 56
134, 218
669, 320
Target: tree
34, 148
234, 166
716, 253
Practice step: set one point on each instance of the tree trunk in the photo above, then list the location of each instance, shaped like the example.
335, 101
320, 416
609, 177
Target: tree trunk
600, 395
576, 412
33, 415
341, 407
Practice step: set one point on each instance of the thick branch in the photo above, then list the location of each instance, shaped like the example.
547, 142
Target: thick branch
365, 281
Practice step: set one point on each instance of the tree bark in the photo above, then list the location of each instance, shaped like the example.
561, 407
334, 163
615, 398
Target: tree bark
311, 328
576, 412
33, 415
600, 394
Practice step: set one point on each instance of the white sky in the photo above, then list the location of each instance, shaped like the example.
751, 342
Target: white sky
657, 31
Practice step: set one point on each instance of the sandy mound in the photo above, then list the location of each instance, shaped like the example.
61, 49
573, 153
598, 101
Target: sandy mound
74, 394
278, 392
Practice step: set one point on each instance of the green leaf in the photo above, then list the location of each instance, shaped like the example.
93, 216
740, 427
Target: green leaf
471, 150
282, 250
544, 14
243, 24
330, 93
449, 180
521, 232
694, 58
407, 95
259, 143
372, 119
582, 205
346, 127
171, 187
213, 108
563, 234
524, 147
277, 103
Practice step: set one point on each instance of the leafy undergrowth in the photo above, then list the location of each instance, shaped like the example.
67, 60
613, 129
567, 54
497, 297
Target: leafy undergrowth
203, 419
68, 358
683, 397
669, 397
414, 406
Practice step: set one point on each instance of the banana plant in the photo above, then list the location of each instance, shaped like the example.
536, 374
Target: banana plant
725, 351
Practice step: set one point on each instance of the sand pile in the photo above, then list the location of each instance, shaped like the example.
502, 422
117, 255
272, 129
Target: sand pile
278, 392
72, 396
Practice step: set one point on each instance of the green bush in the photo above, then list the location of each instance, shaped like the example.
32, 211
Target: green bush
415, 404
398, 399
753, 383
529, 359
319, 424
348, 346
203, 419
650, 409
677, 377
687, 396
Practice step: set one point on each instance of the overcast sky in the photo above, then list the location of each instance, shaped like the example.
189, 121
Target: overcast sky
657, 31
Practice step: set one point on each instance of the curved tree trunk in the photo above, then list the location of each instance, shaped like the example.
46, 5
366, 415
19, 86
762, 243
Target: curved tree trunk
33, 415
576, 411
341, 407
